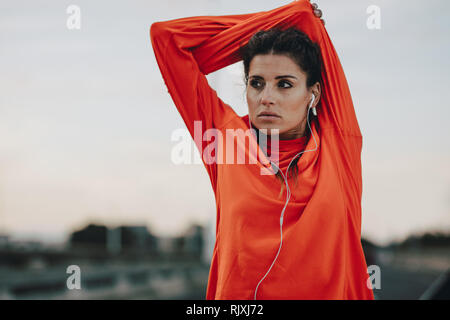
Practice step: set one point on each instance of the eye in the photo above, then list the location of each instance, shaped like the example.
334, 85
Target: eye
285, 82
255, 84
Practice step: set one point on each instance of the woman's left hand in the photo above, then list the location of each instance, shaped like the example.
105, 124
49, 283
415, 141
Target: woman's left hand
317, 12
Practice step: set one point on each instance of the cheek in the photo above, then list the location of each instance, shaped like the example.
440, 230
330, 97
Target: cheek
251, 102
295, 107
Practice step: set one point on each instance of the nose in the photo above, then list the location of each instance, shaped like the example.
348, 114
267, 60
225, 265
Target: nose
267, 96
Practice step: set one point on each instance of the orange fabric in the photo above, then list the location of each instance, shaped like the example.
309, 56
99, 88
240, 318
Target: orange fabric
321, 256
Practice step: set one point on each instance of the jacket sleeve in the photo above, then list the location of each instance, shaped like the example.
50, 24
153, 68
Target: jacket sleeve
187, 49
184, 60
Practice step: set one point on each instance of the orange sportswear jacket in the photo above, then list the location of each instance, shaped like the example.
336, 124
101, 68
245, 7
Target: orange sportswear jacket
321, 255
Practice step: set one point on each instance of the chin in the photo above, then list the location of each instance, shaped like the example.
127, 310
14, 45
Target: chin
268, 127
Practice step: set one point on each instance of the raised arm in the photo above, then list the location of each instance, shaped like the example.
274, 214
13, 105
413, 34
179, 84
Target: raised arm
187, 49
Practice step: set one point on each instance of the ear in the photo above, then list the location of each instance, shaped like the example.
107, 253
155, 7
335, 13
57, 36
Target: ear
316, 89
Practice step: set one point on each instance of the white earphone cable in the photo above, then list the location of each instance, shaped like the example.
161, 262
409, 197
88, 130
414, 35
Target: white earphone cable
288, 195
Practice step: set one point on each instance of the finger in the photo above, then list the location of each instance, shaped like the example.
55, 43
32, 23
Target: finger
315, 6
318, 13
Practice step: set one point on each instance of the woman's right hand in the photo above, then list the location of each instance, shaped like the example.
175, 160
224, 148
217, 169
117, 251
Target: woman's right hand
317, 12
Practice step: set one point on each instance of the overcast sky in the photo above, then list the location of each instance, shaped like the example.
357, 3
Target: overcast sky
86, 120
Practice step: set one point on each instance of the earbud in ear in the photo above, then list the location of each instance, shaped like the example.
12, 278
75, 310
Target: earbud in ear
311, 103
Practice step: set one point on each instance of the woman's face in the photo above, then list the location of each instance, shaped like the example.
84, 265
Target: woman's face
277, 85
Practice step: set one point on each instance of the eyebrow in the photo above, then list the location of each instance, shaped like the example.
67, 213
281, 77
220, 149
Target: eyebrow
278, 77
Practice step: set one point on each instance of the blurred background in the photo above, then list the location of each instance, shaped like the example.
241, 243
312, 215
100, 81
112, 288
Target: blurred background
86, 176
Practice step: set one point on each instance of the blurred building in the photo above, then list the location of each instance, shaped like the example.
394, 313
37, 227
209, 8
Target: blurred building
189, 246
131, 239
93, 237
120, 240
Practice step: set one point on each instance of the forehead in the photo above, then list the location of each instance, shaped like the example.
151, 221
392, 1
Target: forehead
272, 65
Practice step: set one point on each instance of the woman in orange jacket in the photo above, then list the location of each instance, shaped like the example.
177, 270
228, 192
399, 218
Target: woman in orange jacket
288, 228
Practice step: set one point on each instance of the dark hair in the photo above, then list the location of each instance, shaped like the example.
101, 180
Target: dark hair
295, 44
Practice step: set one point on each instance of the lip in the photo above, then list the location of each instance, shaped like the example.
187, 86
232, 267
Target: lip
268, 114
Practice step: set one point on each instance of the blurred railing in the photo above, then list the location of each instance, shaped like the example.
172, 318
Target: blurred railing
109, 281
